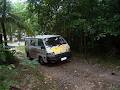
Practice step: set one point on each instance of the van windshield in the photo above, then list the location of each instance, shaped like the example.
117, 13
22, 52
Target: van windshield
54, 41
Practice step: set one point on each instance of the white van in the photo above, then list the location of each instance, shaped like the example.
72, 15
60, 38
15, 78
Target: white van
47, 48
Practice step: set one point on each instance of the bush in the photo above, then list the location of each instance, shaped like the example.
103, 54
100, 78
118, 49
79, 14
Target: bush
6, 56
7, 73
33, 64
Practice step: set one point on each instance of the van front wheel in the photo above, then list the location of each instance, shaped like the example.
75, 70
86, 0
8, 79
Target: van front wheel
41, 61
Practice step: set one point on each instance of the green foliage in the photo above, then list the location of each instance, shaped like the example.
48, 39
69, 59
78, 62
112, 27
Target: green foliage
7, 73
80, 21
10, 72
29, 63
24, 24
77, 20
15, 22
6, 56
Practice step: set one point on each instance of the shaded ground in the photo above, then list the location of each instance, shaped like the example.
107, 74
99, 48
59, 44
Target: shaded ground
81, 76
30, 79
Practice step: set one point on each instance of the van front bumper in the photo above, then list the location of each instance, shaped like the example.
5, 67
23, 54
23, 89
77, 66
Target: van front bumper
58, 57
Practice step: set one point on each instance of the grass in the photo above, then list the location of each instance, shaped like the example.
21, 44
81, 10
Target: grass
20, 49
7, 74
29, 76
26, 75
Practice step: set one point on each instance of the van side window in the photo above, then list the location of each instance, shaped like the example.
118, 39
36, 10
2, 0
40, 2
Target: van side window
40, 42
32, 42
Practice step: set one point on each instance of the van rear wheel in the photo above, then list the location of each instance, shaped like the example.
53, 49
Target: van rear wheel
28, 56
41, 61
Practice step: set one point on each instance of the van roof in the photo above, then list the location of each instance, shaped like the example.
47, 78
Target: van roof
44, 36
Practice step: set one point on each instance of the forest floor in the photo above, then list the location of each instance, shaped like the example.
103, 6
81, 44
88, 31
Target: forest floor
79, 74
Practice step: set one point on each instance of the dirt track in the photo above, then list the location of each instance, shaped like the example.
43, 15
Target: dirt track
77, 75
80, 76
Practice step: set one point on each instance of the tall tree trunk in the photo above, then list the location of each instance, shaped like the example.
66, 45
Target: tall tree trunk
4, 33
11, 38
3, 22
85, 45
0, 38
19, 35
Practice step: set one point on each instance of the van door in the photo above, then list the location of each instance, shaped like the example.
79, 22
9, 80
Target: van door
41, 49
32, 48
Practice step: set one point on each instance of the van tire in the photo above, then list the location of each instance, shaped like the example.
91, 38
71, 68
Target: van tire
27, 54
40, 59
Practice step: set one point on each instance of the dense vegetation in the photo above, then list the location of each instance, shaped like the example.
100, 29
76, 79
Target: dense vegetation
87, 25
90, 26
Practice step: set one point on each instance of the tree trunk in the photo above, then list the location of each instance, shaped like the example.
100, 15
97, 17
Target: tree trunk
0, 38
4, 33
11, 38
85, 45
19, 35
3, 22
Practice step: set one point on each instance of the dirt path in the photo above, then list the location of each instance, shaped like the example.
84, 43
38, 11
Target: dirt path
78, 76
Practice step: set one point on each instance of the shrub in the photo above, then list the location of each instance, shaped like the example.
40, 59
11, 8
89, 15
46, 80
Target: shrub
7, 73
33, 64
6, 56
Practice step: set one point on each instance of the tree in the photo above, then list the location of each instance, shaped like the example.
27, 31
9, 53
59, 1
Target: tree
80, 21
3, 21
15, 20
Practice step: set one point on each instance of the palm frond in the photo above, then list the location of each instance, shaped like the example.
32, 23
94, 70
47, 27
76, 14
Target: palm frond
12, 18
